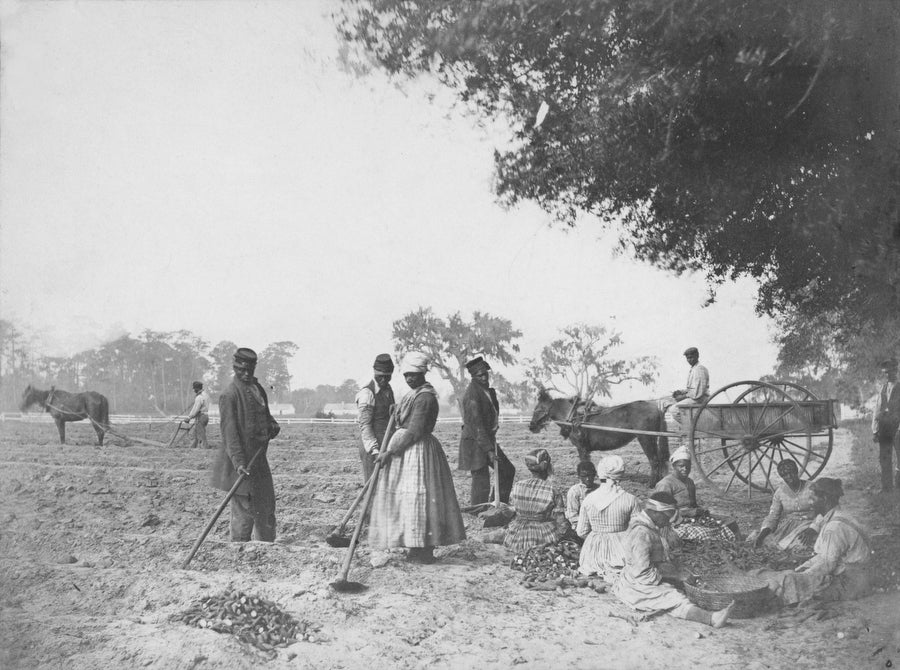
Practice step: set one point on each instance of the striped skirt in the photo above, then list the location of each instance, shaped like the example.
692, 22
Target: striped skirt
415, 504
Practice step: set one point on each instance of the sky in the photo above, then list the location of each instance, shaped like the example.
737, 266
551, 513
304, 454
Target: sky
210, 166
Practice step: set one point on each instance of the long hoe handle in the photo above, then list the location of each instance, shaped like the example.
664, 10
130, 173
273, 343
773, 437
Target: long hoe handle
359, 496
345, 569
496, 474
215, 517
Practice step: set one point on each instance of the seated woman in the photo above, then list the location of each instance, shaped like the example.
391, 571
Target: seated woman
587, 475
791, 512
603, 522
540, 508
696, 523
840, 569
642, 583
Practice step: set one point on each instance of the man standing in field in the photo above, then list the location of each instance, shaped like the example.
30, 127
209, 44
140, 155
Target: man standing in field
247, 426
478, 449
885, 422
200, 414
374, 402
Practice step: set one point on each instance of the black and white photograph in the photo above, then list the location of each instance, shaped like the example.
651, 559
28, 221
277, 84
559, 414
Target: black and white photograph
449, 334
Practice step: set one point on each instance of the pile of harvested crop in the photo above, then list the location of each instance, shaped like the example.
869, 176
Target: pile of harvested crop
718, 556
252, 620
553, 566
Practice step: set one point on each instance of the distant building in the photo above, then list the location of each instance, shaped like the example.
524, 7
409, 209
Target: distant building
340, 410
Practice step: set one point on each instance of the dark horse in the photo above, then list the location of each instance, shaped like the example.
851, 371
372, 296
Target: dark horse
638, 415
64, 406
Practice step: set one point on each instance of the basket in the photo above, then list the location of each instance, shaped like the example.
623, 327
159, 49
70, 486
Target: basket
751, 595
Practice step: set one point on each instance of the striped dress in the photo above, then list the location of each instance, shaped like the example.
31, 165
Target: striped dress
540, 515
603, 522
791, 513
415, 503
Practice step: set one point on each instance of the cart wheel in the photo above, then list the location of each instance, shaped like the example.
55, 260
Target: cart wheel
744, 429
815, 454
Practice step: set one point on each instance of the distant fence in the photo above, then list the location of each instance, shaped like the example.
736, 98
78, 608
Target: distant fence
287, 420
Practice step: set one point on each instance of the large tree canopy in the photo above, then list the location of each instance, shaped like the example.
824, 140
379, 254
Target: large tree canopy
733, 137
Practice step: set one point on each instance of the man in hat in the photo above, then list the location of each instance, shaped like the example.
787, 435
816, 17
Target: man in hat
247, 426
478, 448
199, 414
885, 422
697, 390
374, 402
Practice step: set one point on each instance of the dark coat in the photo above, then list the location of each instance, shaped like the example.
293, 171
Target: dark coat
480, 410
246, 426
886, 418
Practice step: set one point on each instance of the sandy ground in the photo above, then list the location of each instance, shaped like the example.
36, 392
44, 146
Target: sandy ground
91, 542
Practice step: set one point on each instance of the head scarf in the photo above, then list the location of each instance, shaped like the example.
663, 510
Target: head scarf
680, 454
414, 361
829, 487
611, 467
538, 461
662, 501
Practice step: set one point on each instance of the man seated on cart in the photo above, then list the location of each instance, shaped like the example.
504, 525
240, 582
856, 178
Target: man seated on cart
695, 522
695, 393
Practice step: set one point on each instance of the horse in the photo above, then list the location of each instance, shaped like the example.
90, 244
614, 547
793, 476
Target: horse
638, 415
64, 406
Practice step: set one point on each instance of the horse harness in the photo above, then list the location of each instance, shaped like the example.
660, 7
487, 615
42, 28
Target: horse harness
579, 413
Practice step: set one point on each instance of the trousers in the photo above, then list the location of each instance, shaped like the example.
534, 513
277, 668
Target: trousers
200, 432
885, 456
252, 518
481, 480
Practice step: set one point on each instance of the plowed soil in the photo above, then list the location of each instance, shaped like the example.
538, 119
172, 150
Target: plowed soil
92, 540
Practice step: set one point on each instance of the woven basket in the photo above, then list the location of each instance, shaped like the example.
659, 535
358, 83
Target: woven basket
751, 595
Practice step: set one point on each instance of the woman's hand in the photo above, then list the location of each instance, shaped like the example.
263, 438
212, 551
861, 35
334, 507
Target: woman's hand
763, 534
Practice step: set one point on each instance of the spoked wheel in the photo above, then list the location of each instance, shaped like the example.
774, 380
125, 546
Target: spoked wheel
741, 433
812, 457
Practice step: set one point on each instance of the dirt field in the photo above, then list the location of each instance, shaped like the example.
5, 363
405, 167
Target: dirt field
91, 540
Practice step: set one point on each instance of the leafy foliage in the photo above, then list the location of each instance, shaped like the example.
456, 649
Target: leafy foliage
452, 341
582, 362
732, 137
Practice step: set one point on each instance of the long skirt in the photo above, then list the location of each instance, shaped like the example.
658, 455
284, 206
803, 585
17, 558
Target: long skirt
649, 597
796, 587
603, 554
523, 534
785, 533
415, 503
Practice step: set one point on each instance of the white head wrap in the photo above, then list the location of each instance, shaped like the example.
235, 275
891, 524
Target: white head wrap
611, 467
414, 361
680, 454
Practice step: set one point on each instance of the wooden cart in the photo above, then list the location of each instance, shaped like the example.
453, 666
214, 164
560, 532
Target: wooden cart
740, 434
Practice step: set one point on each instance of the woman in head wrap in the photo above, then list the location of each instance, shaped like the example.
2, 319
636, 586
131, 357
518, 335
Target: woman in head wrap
540, 507
840, 569
791, 512
696, 522
415, 504
643, 583
603, 522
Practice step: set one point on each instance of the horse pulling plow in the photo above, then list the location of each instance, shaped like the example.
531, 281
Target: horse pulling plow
736, 437
66, 407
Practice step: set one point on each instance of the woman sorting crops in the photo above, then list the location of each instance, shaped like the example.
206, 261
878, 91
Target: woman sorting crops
642, 583
603, 522
415, 504
696, 523
540, 507
791, 513
840, 569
